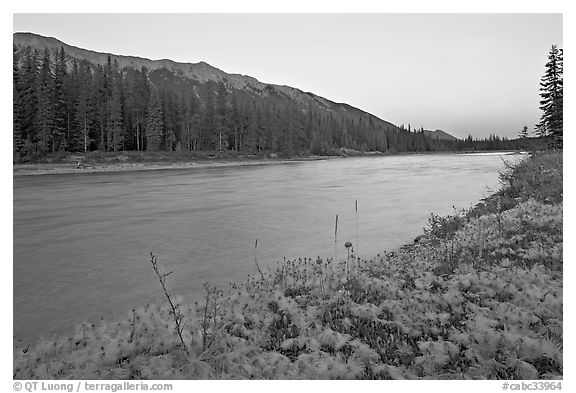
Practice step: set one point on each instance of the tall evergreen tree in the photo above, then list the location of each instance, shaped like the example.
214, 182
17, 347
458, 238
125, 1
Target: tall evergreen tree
234, 142
222, 115
45, 113
28, 94
208, 139
115, 126
17, 142
171, 120
100, 98
189, 121
85, 106
72, 90
136, 98
551, 92
61, 115
142, 99
154, 124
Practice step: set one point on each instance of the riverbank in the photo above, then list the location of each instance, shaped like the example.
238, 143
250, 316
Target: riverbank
141, 161
479, 296
132, 162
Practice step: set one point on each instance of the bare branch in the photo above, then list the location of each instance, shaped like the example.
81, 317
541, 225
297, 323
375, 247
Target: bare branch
174, 309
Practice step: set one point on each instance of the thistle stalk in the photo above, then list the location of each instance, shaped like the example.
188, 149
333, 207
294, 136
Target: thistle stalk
348, 246
357, 246
256, 260
174, 308
336, 240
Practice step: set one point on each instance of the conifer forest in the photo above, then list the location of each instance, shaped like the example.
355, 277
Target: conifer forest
63, 104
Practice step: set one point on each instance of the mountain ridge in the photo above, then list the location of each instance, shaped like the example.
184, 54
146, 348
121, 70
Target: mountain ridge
70, 98
440, 134
201, 71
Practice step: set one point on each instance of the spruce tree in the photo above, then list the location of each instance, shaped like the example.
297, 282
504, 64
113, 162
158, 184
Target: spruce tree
17, 142
172, 117
189, 125
72, 91
45, 112
85, 107
209, 137
115, 126
100, 99
28, 94
61, 116
154, 123
551, 92
222, 114
142, 99
235, 120
136, 97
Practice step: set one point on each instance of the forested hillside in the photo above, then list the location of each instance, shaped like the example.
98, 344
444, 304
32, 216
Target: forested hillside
68, 99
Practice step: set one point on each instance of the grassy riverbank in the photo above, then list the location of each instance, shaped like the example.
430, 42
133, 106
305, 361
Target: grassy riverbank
478, 297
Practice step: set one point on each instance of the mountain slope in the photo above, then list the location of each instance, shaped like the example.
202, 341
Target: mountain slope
200, 72
73, 99
439, 134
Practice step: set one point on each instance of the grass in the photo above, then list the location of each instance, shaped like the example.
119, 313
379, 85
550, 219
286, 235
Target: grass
480, 298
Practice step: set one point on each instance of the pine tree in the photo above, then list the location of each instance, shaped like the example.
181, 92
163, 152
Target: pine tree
72, 92
142, 99
45, 112
154, 123
135, 102
100, 99
551, 92
28, 94
85, 106
171, 119
256, 129
61, 116
222, 115
209, 138
235, 121
115, 126
17, 142
524, 132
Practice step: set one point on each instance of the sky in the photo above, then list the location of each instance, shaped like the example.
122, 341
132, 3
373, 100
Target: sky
466, 74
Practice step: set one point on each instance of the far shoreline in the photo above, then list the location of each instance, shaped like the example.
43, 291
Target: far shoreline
61, 169
81, 167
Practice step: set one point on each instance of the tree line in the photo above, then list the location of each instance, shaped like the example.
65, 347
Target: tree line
64, 104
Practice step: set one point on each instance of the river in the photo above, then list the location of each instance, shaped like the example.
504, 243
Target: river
82, 241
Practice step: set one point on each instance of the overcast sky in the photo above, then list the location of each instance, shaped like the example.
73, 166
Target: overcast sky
463, 73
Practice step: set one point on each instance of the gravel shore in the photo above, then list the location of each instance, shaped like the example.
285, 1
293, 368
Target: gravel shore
49, 169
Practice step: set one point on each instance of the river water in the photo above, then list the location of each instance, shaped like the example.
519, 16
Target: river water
82, 241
